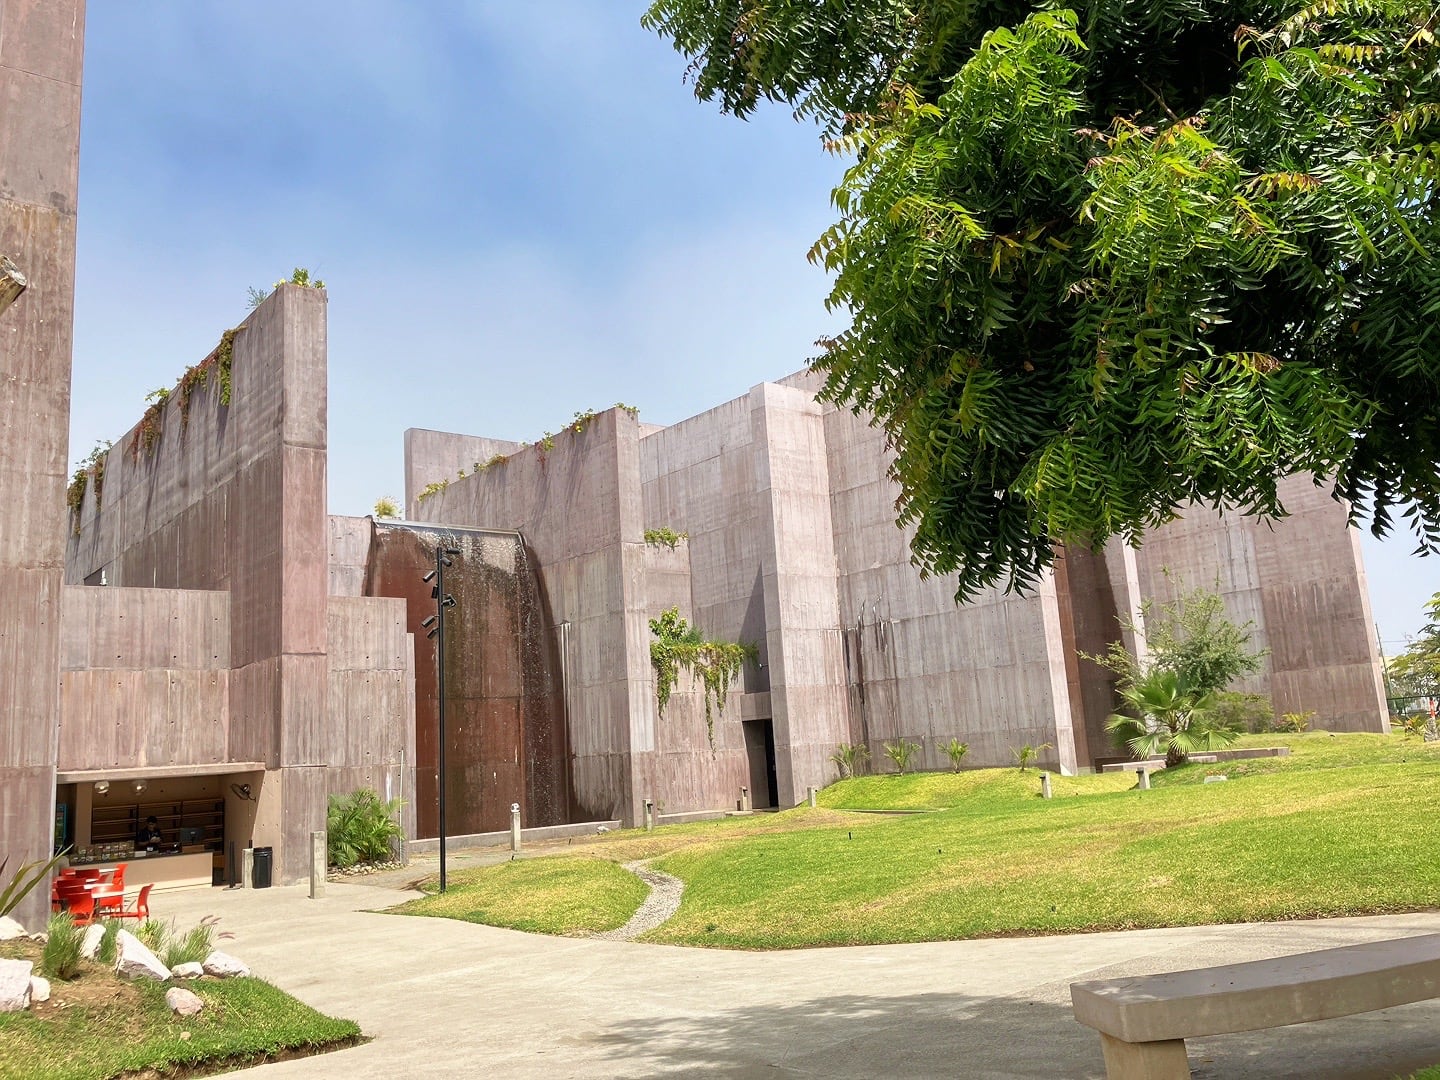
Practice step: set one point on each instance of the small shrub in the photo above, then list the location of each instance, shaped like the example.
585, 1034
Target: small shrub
191, 947
1414, 724
901, 753
1026, 755
61, 958
153, 934
361, 828
849, 758
1297, 722
1240, 713
107, 952
956, 751
386, 507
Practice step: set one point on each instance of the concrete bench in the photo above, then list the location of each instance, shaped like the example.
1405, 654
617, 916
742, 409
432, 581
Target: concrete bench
1144, 1021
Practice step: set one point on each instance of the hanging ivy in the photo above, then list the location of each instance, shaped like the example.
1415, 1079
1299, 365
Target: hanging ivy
714, 664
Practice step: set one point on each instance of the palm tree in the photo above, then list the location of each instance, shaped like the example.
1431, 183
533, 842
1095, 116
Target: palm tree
1169, 716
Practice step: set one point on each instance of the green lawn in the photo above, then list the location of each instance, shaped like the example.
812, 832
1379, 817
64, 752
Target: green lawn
1342, 826
548, 896
118, 1028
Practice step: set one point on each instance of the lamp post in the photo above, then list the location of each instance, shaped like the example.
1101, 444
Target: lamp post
435, 628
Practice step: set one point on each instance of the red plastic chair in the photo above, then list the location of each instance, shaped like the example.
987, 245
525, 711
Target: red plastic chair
117, 876
141, 907
81, 907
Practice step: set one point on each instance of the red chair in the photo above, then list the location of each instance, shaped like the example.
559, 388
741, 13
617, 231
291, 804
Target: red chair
117, 876
81, 907
141, 907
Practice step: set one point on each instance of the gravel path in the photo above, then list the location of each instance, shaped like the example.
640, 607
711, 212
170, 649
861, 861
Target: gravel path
663, 902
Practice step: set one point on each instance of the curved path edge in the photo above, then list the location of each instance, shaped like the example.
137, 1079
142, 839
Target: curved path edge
659, 906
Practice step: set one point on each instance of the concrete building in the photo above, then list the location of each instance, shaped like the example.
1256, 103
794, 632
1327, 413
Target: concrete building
185, 632
791, 545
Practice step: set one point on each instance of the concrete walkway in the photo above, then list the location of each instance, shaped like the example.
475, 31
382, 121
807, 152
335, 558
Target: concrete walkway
445, 998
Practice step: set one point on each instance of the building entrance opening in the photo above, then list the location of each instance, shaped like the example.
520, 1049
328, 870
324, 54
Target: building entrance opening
760, 751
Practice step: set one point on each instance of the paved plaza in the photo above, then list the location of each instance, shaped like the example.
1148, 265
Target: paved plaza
446, 998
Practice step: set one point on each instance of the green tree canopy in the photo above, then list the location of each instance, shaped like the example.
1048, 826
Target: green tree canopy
1107, 261
1416, 671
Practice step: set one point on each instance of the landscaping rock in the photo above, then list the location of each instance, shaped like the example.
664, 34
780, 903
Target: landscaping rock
187, 971
10, 929
135, 961
182, 1002
15, 985
90, 943
224, 966
39, 989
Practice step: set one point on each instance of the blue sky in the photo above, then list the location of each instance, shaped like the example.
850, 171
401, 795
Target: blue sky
518, 209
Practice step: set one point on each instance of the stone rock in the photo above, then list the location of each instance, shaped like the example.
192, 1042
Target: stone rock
224, 966
15, 985
182, 1002
90, 943
40, 938
39, 989
191, 970
10, 929
135, 961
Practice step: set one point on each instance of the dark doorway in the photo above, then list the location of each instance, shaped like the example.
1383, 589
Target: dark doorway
760, 750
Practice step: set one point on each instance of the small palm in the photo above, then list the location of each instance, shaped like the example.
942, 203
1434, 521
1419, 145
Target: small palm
1169, 718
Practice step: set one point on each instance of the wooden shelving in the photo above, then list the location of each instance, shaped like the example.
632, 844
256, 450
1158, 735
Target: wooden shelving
120, 824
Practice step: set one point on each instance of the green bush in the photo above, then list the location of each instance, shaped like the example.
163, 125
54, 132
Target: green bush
957, 751
1253, 713
360, 828
107, 952
1297, 722
61, 958
191, 947
153, 934
850, 758
901, 753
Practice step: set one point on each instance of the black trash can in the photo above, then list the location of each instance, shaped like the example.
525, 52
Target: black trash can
260, 868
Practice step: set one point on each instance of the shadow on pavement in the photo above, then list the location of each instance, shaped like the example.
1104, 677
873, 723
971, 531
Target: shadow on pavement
954, 1035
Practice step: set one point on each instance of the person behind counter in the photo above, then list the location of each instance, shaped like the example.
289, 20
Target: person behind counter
149, 837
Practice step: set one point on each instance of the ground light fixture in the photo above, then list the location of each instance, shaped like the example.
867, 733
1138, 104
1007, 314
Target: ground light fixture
435, 628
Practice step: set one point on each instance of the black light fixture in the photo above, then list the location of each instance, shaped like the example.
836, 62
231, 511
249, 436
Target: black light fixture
435, 628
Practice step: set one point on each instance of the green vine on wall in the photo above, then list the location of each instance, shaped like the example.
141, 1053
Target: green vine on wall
93, 464
714, 664
664, 537
431, 489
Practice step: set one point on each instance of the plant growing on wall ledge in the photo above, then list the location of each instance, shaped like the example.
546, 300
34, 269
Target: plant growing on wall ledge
301, 277
664, 537
386, 508
714, 664
92, 463
431, 489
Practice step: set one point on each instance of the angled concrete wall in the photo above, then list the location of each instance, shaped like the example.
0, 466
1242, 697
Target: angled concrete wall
230, 498
41, 51
1302, 582
578, 505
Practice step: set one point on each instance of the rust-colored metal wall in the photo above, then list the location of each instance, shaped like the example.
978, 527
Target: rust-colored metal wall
505, 730
41, 51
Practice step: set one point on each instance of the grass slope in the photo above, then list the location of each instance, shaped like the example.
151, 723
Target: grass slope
127, 1027
1336, 828
548, 896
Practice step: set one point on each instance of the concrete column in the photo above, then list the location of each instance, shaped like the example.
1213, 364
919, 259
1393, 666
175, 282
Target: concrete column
744, 799
319, 856
1045, 785
1144, 775
811, 796
41, 47
649, 815
515, 826
247, 867
1145, 1061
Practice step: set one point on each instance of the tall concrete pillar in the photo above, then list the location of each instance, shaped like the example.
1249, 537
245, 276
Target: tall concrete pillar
41, 49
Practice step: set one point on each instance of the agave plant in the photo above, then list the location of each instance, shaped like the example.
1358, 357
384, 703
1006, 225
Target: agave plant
1169, 717
26, 877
